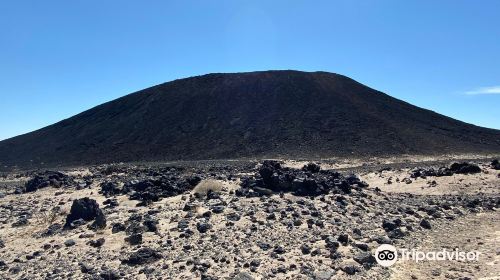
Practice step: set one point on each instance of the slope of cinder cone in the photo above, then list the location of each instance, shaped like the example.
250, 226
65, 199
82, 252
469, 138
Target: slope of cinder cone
257, 114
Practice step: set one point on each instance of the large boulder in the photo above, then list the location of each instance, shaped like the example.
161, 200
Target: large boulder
110, 189
269, 173
465, 168
455, 168
151, 190
85, 209
495, 164
48, 178
308, 181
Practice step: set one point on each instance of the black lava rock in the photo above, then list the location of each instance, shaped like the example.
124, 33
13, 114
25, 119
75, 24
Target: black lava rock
152, 190
350, 269
217, 209
264, 246
279, 250
69, 243
97, 243
134, 239
425, 224
312, 167
203, 227
233, 217
309, 181
389, 225
331, 243
365, 258
396, 233
495, 164
194, 180
142, 256
305, 249
465, 168
48, 178
3, 266
86, 209
343, 238
117, 227
110, 188
455, 168
21, 221
99, 222
150, 224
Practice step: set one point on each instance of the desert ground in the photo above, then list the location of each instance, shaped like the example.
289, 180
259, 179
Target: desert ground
251, 219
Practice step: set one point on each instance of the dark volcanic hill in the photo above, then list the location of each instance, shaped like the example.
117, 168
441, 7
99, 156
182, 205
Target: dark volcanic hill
259, 114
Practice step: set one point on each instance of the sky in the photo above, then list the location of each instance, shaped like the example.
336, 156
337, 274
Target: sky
59, 58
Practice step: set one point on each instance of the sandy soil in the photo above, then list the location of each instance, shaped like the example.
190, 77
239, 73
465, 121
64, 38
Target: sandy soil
30, 255
394, 181
476, 232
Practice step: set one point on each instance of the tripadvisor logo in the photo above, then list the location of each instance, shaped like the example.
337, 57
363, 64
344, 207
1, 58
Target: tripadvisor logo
387, 255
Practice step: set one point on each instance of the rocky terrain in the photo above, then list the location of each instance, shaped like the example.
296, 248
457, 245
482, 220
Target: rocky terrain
248, 220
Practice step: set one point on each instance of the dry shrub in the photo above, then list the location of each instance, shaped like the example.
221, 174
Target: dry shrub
208, 185
50, 217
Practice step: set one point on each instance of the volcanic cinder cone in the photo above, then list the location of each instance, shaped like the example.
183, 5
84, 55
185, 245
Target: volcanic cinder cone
259, 114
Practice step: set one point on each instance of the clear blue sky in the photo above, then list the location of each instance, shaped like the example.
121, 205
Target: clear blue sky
58, 58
